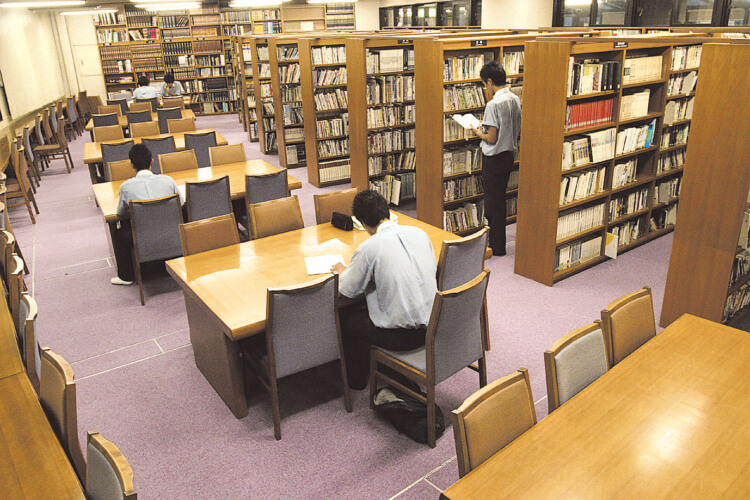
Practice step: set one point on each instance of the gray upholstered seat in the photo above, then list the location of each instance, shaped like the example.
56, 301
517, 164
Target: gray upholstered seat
139, 116
108, 473
123, 103
53, 118
200, 144
153, 100
115, 152
159, 147
104, 120
208, 199
167, 114
461, 260
580, 363
260, 188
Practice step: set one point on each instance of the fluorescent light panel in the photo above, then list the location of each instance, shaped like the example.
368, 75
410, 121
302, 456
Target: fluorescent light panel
256, 3
57, 3
330, 1
87, 12
168, 6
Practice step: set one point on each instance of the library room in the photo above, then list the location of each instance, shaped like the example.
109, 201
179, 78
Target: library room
374, 249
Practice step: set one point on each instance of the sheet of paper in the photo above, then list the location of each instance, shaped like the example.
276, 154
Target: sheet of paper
181, 192
322, 264
205, 174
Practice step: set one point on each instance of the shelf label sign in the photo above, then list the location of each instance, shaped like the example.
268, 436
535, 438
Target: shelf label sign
621, 45
200, 39
405, 42
479, 43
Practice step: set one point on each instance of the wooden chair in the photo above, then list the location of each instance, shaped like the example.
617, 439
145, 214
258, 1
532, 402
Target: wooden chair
573, 362
208, 234
144, 129
105, 119
628, 323
109, 109
266, 187
492, 418
180, 125
172, 102
151, 101
108, 133
335, 201
275, 217
16, 286
200, 143
115, 152
160, 146
57, 394
84, 105
139, 116
95, 102
179, 160
452, 343
32, 160
119, 101
108, 473
26, 331
73, 122
50, 136
206, 199
231, 153
135, 107
58, 151
297, 340
120, 170
167, 114
19, 187
7, 249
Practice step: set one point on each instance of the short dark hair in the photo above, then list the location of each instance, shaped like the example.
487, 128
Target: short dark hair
169, 78
493, 71
143, 81
370, 207
140, 156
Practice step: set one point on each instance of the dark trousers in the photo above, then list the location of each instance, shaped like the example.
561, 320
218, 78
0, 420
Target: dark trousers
495, 173
122, 243
359, 334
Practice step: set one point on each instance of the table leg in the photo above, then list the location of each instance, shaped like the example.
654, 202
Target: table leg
217, 357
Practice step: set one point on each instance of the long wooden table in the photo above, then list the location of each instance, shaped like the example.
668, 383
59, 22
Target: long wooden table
669, 421
123, 119
225, 293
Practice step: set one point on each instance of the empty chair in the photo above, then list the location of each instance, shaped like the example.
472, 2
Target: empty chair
123, 103
102, 120
20, 187
492, 418
139, 106
179, 160
230, 153
274, 217
38, 130
156, 232
260, 188
139, 116
167, 114
115, 152
453, 342
108, 133
173, 102
573, 362
208, 234
50, 132
158, 147
180, 125
120, 170
336, 201
111, 108
144, 129
7, 249
32, 159
94, 103
84, 105
57, 394
26, 331
302, 332
16, 286
108, 473
59, 150
73, 123
207, 199
628, 323
152, 101
200, 144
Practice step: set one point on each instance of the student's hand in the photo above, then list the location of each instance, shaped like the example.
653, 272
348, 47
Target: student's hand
476, 130
338, 267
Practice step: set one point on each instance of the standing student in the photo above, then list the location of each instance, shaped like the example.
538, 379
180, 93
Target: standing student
170, 88
144, 90
499, 133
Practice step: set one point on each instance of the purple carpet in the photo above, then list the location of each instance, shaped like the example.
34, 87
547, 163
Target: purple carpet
138, 384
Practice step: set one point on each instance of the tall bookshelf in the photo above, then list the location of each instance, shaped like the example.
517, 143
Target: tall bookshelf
303, 17
264, 97
707, 275
595, 158
284, 57
247, 89
266, 21
340, 16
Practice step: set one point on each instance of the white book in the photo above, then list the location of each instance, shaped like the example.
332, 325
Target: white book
467, 121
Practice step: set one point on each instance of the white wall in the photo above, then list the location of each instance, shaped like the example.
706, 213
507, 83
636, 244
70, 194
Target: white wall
84, 54
366, 15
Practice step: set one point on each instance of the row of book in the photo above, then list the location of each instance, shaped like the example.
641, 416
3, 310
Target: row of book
218, 107
323, 77
145, 51
173, 21
111, 36
295, 154
678, 109
587, 114
453, 131
624, 173
292, 114
634, 138
333, 147
262, 52
183, 73
177, 48
513, 63
264, 70
395, 188
628, 232
266, 92
228, 95
214, 60
289, 73
741, 265
118, 52
236, 16
179, 61
109, 18
207, 19
635, 105
463, 187
581, 185
682, 83
269, 139
206, 31
269, 123
511, 206
592, 75
626, 205
333, 54
207, 46
208, 72
332, 171
468, 216
176, 33
462, 160
268, 109
667, 190
122, 66
642, 69
663, 217
674, 136
593, 147
458, 97
389, 60
686, 57
463, 67
405, 160
267, 27
389, 141
148, 64
579, 220
331, 100
294, 134
390, 115
252, 130
670, 160
264, 14
390, 89
136, 20
577, 252
287, 52
737, 300
332, 127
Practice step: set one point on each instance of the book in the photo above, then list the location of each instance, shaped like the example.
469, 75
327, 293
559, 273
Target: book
467, 121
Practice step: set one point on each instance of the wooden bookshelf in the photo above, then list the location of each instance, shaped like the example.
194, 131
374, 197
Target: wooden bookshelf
247, 87
287, 100
715, 191
264, 98
303, 17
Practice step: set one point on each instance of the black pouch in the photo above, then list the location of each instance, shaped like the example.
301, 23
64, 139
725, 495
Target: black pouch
406, 414
342, 221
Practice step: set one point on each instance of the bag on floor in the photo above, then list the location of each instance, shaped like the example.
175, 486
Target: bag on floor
406, 414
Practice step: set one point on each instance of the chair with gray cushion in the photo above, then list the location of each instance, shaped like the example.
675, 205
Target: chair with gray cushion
115, 152
158, 147
139, 116
32, 158
154, 101
108, 473
73, 122
106, 119
573, 362
452, 343
200, 144
205, 199
167, 114
302, 331
628, 323
156, 232
266, 187
38, 130
123, 103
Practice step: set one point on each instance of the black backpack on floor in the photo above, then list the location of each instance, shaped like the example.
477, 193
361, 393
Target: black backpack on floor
406, 414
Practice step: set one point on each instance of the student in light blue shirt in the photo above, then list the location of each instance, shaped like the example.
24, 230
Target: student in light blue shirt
144, 90
170, 88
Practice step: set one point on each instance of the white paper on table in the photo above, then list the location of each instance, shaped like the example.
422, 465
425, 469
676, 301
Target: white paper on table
181, 192
322, 264
204, 174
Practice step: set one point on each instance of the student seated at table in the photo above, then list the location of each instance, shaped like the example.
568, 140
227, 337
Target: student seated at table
396, 270
170, 88
144, 186
144, 90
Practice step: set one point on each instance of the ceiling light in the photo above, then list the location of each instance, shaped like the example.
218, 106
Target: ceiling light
87, 12
256, 3
168, 6
330, 1
55, 3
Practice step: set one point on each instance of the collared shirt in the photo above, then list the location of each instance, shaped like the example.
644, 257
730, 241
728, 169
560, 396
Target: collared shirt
503, 112
396, 269
176, 89
145, 93
144, 186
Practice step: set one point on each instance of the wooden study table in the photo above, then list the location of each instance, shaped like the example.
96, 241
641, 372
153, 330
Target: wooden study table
123, 119
669, 421
225, 293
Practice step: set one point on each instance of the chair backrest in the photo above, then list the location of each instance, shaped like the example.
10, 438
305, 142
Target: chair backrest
108, 133
179, 160
62, 141
162, 146
123, 103
84, 104
207, 199
120, 170
180, 125
167, 114
302, 330
115, 152
57, 394
173, 102
628, 323
492, 418
136, 107
144, 129
105, 119
52, 116
26, 138
7, 248
21, 167
72, 116
260, 188
108, 473
139, 116
208, 234
231, 153
152, 101
274, 217
94, 103
200, 144
462, 259
573, 362
335, 201
454, 333
16, 287
38, 129
26, 331
49, 134
156, 228
110, 108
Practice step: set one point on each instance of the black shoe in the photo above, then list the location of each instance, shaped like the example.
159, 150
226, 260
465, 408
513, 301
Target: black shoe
498, 253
